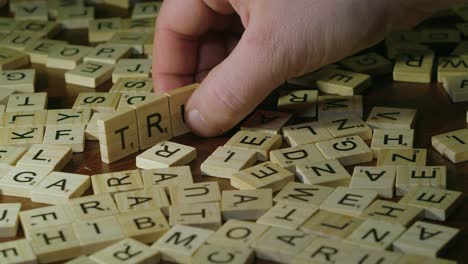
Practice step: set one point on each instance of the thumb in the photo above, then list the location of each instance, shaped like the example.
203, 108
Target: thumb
235, 87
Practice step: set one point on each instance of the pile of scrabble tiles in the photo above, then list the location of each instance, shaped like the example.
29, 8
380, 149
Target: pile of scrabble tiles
292, 201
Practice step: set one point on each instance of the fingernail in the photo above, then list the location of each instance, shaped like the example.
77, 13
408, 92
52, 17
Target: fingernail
197, 123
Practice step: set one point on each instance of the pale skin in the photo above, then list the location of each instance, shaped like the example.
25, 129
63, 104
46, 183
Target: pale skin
241, 50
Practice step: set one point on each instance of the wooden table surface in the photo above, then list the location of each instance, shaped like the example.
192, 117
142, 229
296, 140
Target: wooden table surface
436, 115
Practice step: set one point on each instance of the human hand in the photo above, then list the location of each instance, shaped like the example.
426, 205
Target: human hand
205, 41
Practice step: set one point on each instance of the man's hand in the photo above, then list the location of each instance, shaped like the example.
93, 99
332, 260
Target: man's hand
241, 50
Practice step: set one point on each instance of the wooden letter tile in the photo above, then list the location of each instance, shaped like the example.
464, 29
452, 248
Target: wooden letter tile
107, 53
45, 217
38, 51
261, 176
329, 173
340, 82
438, 204
18, 40
166, 154
245, 204
379, 179
288, 215
450, 66
127, 251
146, 226
133, 86
11, 59
391, 118
59, 117
59, 187
91, 131
114, 182
9, 220
129, 100
21, 81
425, 239
369, 63
148, 198
363, 255
322, 250
97, 102
375, 234
67, 57
21, 180
305, 193
167, 177
330, 225
214, 254
423, 176
202, 192
302, 103
89, 74
348, 201
93, 206
103, 29
347, 126
21, 136
348, 151
266, 121
72, 136
177, 100
414, 67
118, 135
144, 10
393, 213
305, 133
333, 106
9, 155
27, 101
137, 68
24, 118
263, 143
391, 138
226, 161
74, 17
180, 243
401, 157
455, 87
17, 251
291, 157
47, 156
452, 145
203, 215
237, 233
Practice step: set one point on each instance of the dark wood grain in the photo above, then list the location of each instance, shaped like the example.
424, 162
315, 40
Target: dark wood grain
436, 114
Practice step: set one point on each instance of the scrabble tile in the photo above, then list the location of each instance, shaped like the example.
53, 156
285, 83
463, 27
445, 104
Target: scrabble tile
455, 87
21, 81
393, 213
415, 67
202, 192
340, 82
391, 118
437, 204
440, 36
144, 10
146, 226
27, 102
281, 245
262, 143
91, 131
370, 63
425, 239
177, 100
226, 161
348, 151
72, 136
136, 68
305, 193
399, 50
75, 18
214, 254
133, 86
89, 74
21, 136
421, 176
375, 234
21, 180
180, 243
266, 121
7, 24
107, 53
9, 220
24, 118
127, 251
17, 251
348, 201
129, 100
81, 260
55, 243
97, 102
303, 103
329, 173
45, 217
97, 233
59, 187
4, 96
452, 145
237, 233
412, 258
203, 215
55, 5
333, 106
391, 138
9, 155
348, 126
119, 181
166, 154
11, 59
288, 215
67, 57
363, 255
305, 133
31, 11
38, 50
166, 177
290, 158
145, 25
103, 29
378, 179
322, 250
133, 40
262, 176
330, 225
401, 157
59, 117
450, 66
245, 204
47, 156
40, 28
142, 199
93, 206
120, 127
18, 40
